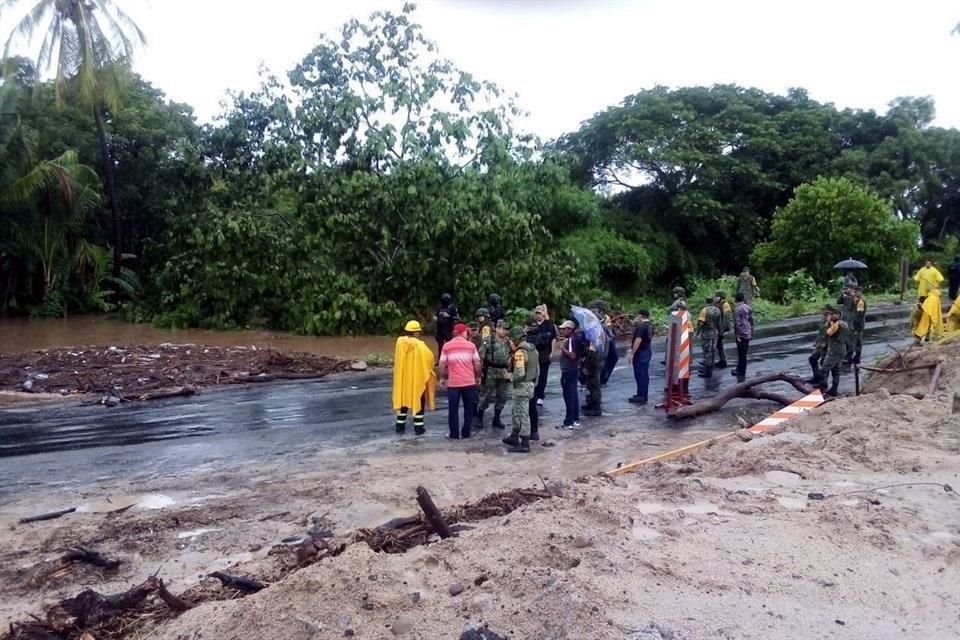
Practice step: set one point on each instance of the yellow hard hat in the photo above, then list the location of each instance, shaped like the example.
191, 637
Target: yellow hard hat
412, 327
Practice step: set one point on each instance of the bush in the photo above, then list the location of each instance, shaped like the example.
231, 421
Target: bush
608, 257
801, 288
832, 219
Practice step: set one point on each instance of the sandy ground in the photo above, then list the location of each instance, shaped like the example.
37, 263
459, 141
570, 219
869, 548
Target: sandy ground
721, 544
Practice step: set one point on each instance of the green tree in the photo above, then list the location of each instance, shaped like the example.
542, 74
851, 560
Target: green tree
90, 41
46, 205
831, 219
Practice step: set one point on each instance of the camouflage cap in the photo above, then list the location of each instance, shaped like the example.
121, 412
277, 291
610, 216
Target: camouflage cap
721, 294
532, 322
831, 309
503, 324
517, 334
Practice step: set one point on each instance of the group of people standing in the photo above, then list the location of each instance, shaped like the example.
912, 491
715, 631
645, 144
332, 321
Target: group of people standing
927, 320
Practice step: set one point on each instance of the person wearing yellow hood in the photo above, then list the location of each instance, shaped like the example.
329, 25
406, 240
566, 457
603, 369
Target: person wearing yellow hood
953, 316
930, 321
927, 278
414, 381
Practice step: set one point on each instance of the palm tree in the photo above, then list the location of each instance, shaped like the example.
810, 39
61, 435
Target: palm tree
47, 204
90, 40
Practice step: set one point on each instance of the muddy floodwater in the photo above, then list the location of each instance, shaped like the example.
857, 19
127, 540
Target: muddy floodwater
23, 334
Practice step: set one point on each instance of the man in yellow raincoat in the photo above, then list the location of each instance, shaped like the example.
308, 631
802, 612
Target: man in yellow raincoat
930, 321
414, 381
927, 278
953, 316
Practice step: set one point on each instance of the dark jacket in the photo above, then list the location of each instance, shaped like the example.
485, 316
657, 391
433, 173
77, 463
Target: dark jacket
543, 339
447, 317
953, 273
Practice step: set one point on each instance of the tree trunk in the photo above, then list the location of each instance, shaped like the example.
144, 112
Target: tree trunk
107, 159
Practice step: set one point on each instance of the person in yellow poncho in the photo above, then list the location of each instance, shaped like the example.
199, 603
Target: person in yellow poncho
930, 322
414, 381
927, 278
953, 316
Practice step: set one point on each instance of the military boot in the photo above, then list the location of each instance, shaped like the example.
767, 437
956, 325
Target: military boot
523, 446
706, 372
478, 421
497, 423
513, 439
834, 390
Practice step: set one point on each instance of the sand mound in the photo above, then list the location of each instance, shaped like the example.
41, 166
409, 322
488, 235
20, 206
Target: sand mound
946, 351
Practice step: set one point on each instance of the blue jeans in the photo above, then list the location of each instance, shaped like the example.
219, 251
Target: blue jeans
454, 396
569, 380
641, 372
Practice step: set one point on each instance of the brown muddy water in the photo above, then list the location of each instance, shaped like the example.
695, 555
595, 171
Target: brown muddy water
18, 335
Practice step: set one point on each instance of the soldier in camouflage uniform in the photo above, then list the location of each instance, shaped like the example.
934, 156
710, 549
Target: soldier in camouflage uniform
819, 349
495, 359
708, 328
726, 323
838, 341
848, 310
526, 370
857, 322
592, 370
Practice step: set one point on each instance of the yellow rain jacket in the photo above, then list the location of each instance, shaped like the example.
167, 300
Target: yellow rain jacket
413, 375
927, 278
953, 316
931, 317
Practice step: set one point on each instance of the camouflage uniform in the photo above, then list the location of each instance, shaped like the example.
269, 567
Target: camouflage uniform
726, 323
708, 328
819, 351
838, 341
858, 323
526, 371
495, 356
592, 370
747, 285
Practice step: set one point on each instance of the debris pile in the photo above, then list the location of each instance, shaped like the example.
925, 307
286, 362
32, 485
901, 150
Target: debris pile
151, 372
91, 614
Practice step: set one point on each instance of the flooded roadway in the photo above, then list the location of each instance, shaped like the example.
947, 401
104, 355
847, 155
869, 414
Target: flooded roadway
287, 423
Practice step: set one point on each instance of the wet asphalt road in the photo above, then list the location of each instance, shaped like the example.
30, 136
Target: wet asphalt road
50, 447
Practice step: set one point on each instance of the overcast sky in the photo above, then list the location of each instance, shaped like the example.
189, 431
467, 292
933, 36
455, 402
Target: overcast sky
568, 59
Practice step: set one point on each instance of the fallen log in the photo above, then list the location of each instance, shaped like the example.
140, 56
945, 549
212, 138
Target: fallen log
759, 394
936, 378
87, 556
91, 609
174, 602
433, 515
741, 390
899, 370
47, 516
176, 392
247, 585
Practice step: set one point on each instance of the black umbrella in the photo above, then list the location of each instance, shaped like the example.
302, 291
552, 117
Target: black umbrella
849, 264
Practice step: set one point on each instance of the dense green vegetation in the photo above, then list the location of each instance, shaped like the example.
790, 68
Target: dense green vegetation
376, 175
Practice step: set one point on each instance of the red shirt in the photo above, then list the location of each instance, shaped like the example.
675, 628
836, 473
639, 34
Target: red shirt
459, 356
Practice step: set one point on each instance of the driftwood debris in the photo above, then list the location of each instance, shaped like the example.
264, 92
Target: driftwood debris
53, 515
434, 517
744, 389
88, 556
240, 583
175, 392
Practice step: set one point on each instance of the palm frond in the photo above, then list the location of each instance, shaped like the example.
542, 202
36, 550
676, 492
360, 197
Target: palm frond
28, 25
123, 22
120, 36
68, 60
50, 42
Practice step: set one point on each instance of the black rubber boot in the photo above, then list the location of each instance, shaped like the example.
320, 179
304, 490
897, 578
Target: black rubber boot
535, 436
401, 428
834, 390
513, 439
521, 447
497, 423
